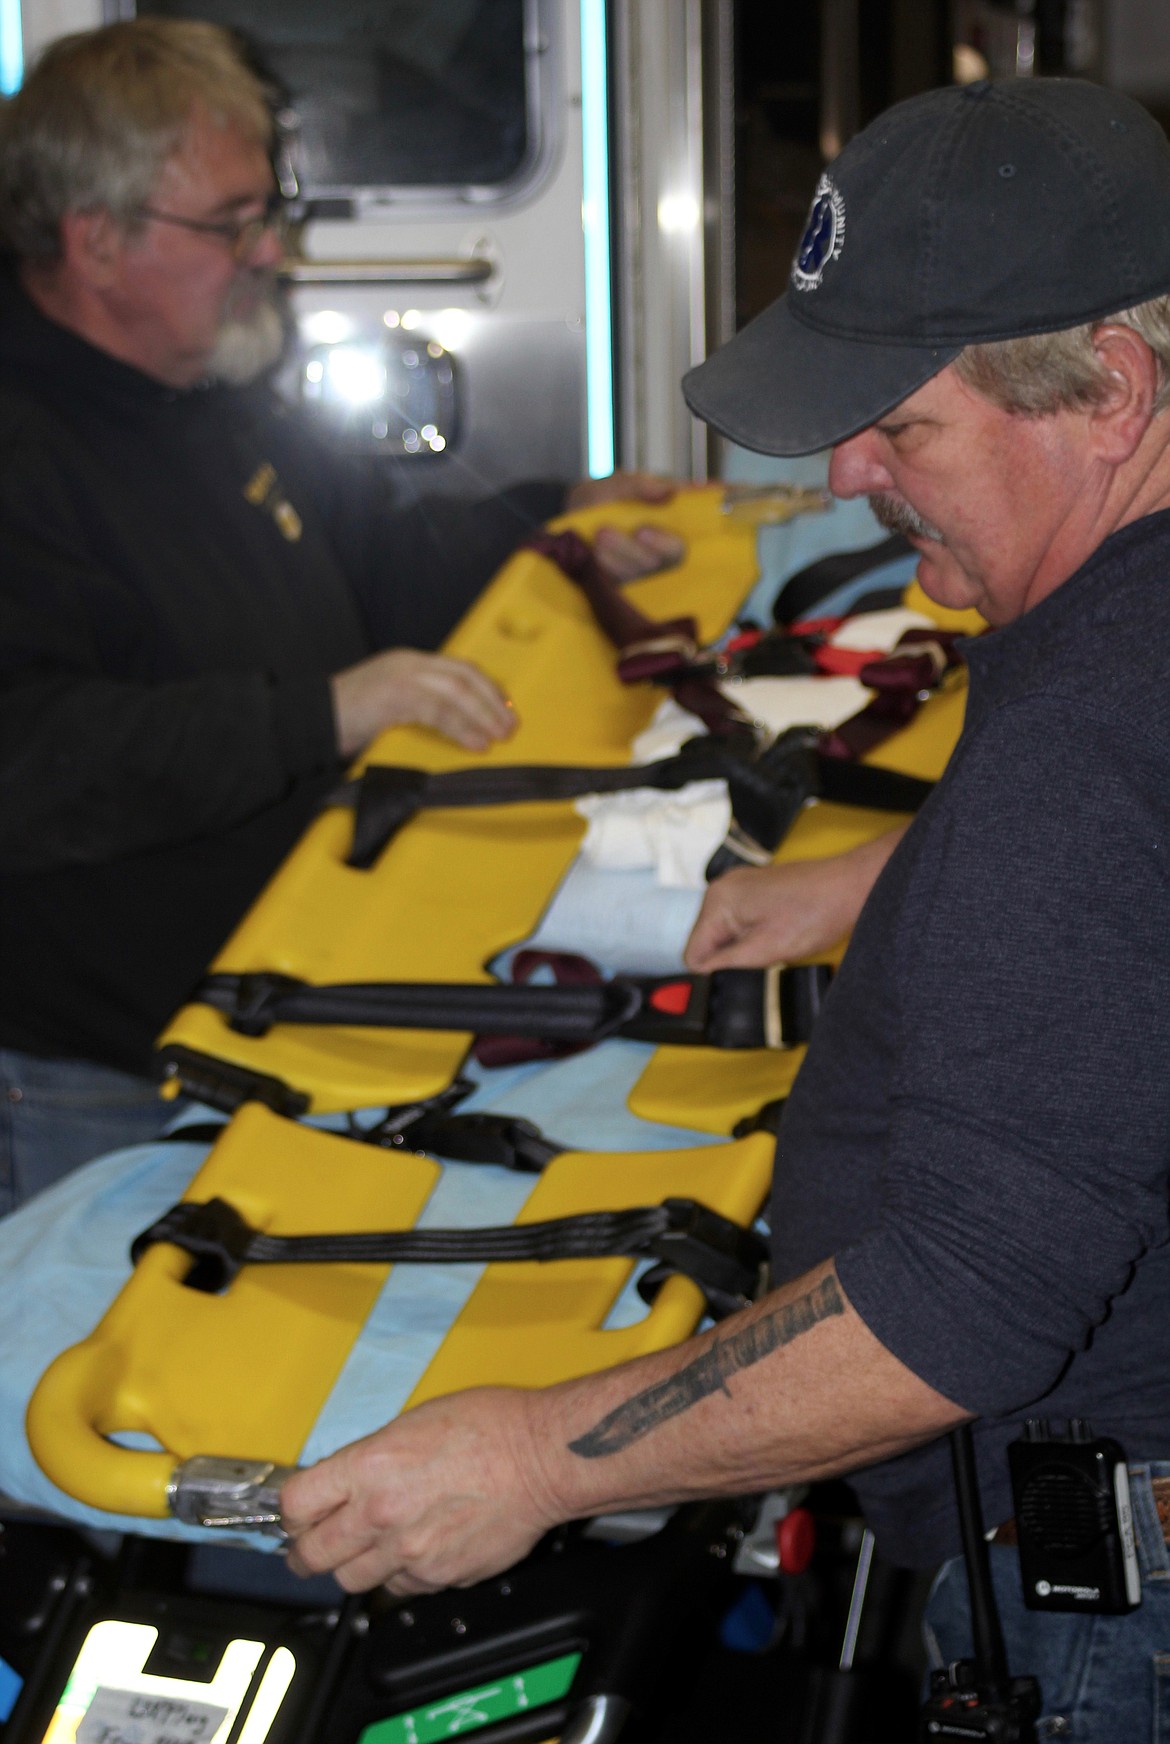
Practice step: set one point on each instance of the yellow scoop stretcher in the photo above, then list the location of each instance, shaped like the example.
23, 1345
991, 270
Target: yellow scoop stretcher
246, 1374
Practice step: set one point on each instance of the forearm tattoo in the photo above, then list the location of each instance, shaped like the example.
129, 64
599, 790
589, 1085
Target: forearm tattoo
710, 1372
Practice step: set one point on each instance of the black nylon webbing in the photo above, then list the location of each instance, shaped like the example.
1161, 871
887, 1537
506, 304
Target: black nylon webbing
731, 1008
723, 1258
387, 795
806, 589
577, 1014
588, 1235
766, 788
847, 783
434, 1124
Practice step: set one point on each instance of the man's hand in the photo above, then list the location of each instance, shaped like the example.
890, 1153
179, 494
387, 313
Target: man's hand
762, 915
428, 690
626, 556
451, 1488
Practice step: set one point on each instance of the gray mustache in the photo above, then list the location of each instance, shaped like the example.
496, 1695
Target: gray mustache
897, 516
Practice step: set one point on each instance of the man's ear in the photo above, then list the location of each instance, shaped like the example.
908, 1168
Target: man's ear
1121, 419
92, 245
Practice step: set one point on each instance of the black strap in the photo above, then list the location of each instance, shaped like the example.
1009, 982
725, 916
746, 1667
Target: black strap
767, 788
766, 1118
197, 1132
253, 1003
732, 1008
387, 795
771, 791
430, 1124
434, 1126
506, 1140
806, 589
724, 1259
223, 1085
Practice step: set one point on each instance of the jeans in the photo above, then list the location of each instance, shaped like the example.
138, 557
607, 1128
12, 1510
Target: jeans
57, 1114
1103, 1680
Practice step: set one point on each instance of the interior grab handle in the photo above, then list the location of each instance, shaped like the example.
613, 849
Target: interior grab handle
456, 271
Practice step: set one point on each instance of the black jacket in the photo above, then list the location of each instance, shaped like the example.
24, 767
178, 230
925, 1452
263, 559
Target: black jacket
180, 572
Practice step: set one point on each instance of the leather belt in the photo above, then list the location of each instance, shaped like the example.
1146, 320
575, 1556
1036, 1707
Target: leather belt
1006, 1533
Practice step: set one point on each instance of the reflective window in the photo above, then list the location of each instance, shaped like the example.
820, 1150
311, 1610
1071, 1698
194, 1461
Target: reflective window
389, 94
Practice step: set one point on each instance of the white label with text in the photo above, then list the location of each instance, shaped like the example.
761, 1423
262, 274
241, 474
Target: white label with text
117, 1716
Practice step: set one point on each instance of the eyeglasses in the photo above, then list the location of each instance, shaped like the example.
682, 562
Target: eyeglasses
242, 235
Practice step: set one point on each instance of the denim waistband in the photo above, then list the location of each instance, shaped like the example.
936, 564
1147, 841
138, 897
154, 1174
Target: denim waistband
1153, 1551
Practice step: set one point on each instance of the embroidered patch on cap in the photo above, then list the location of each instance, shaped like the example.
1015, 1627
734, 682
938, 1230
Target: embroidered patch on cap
823, 237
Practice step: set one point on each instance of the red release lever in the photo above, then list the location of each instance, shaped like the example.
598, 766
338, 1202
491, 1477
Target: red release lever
796, 1539
672, 997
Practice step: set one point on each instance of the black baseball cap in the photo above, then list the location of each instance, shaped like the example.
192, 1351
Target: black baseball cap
967, 214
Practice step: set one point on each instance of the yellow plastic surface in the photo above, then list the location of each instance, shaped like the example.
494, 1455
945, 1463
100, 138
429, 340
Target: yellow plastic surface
247, 1373
526, 1326
456, 887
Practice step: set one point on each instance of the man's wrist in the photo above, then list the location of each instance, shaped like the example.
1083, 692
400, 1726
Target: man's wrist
542, 1454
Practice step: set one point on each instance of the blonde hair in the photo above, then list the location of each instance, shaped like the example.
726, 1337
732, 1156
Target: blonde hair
100, 114
1045, 372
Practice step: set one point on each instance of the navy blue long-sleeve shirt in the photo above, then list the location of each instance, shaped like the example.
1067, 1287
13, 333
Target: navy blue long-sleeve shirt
981, 1131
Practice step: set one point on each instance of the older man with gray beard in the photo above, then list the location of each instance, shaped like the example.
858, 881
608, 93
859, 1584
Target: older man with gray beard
202, 610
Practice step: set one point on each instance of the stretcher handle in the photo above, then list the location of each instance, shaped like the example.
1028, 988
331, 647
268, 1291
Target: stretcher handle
69, 1418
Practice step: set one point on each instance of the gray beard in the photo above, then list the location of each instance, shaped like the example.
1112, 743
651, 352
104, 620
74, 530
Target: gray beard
247, 346
897, 516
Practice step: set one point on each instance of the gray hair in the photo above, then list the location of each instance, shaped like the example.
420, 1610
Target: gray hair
1044, 373
100, 114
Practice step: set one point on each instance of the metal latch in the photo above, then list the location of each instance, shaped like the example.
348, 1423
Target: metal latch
210, 1491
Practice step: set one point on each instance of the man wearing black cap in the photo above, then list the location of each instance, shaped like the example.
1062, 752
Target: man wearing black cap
971, 1217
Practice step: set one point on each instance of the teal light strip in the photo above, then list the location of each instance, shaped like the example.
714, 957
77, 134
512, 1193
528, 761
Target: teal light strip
595, 218
11, 47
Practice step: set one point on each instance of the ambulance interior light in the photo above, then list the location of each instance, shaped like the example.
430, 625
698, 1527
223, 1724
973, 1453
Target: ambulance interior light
397, 393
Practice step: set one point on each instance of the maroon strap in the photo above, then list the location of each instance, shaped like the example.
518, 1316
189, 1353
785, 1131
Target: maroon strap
916, 662
901, 680
877, 721
652, 651
649, 650
621, 621
568, 970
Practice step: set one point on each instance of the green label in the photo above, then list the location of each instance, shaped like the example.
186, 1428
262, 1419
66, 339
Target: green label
451, 1716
